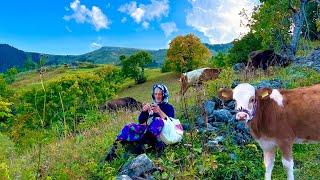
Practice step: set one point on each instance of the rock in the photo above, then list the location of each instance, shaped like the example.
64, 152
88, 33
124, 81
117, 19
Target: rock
211, 128
230, 105
242, 139
217, 124
311, 61
238, 67
218, 103
123, 177
274, 84
209, 107
214, 146
137, 167
241, 127
221, 115
234, 84
186, 126
200, 122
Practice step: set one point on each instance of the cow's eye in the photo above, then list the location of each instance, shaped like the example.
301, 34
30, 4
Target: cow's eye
252, 100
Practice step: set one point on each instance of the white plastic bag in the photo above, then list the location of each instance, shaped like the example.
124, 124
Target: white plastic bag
172, 131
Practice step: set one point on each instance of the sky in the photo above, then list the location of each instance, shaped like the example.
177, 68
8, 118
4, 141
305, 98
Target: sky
79, 26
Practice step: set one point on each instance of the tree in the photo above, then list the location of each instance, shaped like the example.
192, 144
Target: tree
10, 75
29, 64
133, 67
187, 53
309, 29
219, 61
42, 61
279, 23
242, 48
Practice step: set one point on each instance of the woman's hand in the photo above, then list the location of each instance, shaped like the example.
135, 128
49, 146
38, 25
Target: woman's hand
146, 107
157, 110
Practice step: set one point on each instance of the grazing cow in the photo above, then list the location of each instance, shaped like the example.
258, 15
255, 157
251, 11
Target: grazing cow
278, 118
116, 104
196, 77
265, 58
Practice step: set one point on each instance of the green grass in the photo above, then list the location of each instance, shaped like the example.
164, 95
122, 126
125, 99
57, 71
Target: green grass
77, 156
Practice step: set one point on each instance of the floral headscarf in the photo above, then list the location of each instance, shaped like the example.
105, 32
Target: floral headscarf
165, 92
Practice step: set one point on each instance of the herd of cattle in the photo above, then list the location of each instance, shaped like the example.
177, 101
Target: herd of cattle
276, 118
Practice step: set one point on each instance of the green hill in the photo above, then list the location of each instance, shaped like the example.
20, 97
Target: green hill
13, 57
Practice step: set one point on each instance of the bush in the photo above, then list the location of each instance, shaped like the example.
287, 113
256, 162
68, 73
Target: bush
219, 61
226, 77
62, 103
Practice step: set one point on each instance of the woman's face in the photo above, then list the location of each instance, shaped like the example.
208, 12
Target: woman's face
158, 95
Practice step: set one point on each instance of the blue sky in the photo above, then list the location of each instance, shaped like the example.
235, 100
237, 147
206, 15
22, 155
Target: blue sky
80, 26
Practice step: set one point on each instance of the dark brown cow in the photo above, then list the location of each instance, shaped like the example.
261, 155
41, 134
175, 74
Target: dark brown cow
278, 118
120, 103
196, 77
265, 58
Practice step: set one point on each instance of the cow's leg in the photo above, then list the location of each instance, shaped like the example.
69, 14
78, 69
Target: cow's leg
268, 147
287, 159
268, 157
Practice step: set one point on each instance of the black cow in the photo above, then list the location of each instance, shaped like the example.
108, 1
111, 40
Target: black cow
265, 58
121, 103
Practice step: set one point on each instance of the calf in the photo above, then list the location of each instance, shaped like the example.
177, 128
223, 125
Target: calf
278, 118
116, 104
197, 77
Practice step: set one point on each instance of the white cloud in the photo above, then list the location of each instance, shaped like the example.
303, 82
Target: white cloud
124, 20
95, 45
168, 28
145, 24
146, 12
219, 20
81, 14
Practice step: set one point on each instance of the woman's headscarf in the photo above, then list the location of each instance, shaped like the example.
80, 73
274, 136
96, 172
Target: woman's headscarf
165, 92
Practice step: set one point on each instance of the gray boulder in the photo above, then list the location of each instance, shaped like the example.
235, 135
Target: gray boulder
221, 115
274, 84
238, 67
209, 107
138, 167
123, 177
311, 61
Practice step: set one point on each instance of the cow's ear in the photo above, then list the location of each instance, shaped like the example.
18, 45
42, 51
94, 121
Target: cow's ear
225, 94
264, 93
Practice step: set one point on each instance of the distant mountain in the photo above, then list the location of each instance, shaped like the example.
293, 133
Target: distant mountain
10, 57
13, 57
215, 48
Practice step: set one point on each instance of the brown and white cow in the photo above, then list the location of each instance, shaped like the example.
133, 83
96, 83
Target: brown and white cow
197, 77
278, 118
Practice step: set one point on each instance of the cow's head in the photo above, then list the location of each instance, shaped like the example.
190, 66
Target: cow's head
246, 98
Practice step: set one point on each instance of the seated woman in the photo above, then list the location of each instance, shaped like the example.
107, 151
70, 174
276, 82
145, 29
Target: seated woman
151, 122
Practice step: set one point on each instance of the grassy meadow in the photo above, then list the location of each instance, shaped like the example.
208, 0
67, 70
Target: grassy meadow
76, 154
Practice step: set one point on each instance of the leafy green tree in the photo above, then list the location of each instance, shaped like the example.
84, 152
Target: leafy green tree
10, 75
280, 23
166, 67
242, 48
42, 61
219, 61
309, 30
133, 66
29, 64
187, 53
